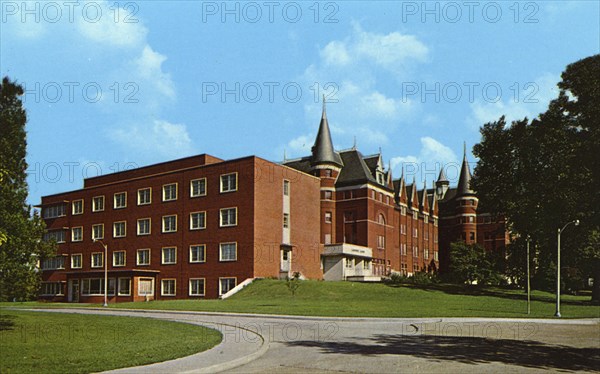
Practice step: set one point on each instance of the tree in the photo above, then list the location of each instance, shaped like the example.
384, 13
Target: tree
543, 173
472, 264
21, 245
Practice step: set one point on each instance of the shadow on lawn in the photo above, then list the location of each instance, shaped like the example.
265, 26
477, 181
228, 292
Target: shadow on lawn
457, 289
7, 322
469, 350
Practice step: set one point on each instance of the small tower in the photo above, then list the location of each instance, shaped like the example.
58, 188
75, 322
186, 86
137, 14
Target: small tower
442, 185
322, 151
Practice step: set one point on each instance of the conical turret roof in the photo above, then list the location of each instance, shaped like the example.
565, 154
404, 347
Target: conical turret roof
322, 150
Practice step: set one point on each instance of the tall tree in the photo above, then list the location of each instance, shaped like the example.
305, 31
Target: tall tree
545, 173
21, 244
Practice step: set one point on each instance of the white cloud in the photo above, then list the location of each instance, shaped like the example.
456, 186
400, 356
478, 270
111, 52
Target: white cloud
149, 66
531, 100
379, 105
162, 138
300, 146
335, 53
427, 164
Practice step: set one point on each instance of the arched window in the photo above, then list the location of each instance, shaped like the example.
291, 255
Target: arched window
381, 219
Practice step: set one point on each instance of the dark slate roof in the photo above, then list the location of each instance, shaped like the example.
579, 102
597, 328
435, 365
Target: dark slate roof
442, 177
355, 170
372, 161
322, 151
464, 180
302, 164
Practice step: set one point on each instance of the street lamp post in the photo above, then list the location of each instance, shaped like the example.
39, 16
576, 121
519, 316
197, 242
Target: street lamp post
528, 278
105, 271
557, 314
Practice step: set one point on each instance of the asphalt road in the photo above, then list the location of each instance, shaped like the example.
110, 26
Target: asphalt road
277, 344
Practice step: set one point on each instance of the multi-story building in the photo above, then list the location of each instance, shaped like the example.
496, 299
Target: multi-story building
201, 226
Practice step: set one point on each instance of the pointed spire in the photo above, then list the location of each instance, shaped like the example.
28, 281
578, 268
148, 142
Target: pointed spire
284, 156
442, 177
354, 146
322, 150
464, 179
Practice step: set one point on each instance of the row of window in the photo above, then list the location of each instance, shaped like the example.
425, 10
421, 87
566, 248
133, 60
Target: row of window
144, 196
122, 286
197, 254
415, 252
197, 221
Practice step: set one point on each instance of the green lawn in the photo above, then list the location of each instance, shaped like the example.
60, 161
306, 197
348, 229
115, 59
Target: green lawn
32, 342
317, 298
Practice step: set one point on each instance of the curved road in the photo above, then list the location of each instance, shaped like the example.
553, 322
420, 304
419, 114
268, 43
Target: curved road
282, 344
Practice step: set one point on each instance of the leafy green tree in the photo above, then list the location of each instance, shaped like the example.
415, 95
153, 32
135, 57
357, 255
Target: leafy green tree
21, 233
472, 264
543, 173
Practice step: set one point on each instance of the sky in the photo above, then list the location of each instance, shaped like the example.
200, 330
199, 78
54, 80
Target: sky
114, 85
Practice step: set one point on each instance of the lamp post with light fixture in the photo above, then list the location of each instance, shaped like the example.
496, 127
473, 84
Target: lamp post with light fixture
557, 314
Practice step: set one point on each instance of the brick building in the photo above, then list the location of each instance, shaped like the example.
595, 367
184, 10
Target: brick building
199, 226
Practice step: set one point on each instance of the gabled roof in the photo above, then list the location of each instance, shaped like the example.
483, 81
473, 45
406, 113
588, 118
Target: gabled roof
355, 170
424, 205
442, 179
322, 151
400, 190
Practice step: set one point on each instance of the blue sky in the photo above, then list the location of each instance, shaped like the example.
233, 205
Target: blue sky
114, 85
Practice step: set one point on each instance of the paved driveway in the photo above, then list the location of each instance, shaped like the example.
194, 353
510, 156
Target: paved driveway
258, 344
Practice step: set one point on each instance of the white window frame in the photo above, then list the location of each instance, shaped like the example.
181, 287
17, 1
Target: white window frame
139, 233
164, 195
221, 258
221, 224
286, 187
162, 255
162, 286
192, 221
94, 231
115, 259
115, 200
119, 292
221, 285
163, 223
227, 188
80, 257
203, 247
80, 237
328, 218
95, 204
73, 210
203, 287
118, 224
192, 194
137, 257
145, 279
94, 254
139, 201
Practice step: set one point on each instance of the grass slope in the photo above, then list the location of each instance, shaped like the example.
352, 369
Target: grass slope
317, 298
33, 342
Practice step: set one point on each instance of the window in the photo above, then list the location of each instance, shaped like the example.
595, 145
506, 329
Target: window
98, 204
381, 219
349, 263
415, 215
145, 286
167, 287
119, 229
169, 192
56, 235
403, 229
328, 217
436, 256
198, 187
228, 217
169, 255
53, 263
143, 257
120, 200
426, 234
286, 188
77, 234
124, 287
403, 210
197, 220
327, 195
54, 211
143, 226
197, 287
426, 219
197, 253
119, 258
229, 182
471, 236
286, 221
415, 268
97, 259
77, 207
144, 196
426, 254
76, 261
98, 231
366, 264
51, 289
415, 232
380, 241
226, 284
435, 222
403, 249
415, 251
169, 224
228, 252
95, 286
